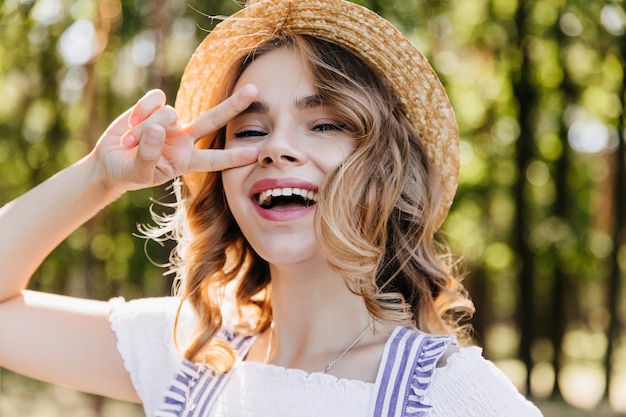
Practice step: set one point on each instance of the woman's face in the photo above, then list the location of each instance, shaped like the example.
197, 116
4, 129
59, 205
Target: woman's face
300, 142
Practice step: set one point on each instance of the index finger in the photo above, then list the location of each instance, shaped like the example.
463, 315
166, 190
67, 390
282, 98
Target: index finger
217, 117
209, 160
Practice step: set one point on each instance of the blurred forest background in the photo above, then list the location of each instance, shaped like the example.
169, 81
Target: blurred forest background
539, 219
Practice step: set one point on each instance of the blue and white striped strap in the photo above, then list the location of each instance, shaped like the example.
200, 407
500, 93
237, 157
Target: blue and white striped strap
406, 372
196, 386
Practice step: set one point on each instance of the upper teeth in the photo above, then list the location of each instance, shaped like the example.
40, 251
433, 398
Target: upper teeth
265, 197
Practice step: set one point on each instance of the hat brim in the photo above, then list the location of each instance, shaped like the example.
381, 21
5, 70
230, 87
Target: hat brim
401, 65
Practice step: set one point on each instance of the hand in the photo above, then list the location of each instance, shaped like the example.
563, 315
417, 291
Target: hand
149, 145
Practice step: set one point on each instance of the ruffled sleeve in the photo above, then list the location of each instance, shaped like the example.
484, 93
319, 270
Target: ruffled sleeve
471, 386
145, 339
406, 371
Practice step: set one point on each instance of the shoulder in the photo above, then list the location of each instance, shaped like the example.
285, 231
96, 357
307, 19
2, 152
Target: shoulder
425, 351
152, 316
406, 371
144, 329
437, 378
477, 387
142, 306
152, 352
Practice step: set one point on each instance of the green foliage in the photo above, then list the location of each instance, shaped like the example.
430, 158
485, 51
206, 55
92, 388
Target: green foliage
56, 102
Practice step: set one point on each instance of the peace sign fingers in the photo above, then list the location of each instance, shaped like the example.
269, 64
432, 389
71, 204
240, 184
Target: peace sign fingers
216, 118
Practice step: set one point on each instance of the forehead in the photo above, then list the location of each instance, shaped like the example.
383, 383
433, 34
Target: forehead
278, 72
285, 58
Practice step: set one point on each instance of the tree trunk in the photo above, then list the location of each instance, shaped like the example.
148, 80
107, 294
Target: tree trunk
525, 94
619, 239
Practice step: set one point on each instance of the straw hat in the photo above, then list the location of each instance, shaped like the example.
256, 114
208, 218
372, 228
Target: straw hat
404, 68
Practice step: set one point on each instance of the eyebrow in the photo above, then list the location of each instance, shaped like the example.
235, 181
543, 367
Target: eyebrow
308, 102
302, 103
257, 107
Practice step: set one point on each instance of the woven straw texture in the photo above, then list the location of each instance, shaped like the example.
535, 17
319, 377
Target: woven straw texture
404, 68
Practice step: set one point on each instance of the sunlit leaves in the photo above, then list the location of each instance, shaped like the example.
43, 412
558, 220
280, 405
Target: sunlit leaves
68, 67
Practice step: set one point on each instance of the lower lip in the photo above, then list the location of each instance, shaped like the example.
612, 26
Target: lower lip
278, 215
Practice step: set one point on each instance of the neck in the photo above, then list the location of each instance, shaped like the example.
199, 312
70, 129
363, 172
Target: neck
315, 316
306, 296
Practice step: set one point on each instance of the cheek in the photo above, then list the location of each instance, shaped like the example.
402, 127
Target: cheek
235, 182
231, 182
334, 157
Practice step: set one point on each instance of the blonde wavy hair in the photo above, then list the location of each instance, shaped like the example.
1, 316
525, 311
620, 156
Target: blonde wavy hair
376, 215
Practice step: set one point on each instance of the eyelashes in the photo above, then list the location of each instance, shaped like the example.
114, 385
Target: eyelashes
249, 133
325, 127
329, 127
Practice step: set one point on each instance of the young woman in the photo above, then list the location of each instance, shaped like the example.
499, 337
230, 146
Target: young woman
318, 158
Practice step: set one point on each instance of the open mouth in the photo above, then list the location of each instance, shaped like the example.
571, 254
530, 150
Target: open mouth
286, 198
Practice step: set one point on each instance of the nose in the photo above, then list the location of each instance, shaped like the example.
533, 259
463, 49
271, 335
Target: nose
281, 148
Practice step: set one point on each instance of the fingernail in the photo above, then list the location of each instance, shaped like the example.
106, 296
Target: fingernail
134, 121
129, 140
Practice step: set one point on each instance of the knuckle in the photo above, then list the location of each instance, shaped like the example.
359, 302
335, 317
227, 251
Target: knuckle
172, 115
168, 116
212, 121
212, 159
149, 152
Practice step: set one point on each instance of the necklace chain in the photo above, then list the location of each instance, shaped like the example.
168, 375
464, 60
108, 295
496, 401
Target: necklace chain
331, 363
197, 371
334, 361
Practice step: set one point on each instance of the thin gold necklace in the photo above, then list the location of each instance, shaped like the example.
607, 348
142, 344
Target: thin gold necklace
332, 363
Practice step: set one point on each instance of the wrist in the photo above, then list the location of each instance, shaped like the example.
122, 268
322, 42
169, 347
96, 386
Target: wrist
98, 179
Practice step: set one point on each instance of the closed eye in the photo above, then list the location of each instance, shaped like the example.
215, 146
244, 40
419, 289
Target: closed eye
328, 127
249, 133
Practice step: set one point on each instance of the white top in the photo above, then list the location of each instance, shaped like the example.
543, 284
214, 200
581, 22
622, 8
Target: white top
467, 385
275, 391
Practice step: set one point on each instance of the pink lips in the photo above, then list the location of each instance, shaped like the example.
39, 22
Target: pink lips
281, 214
